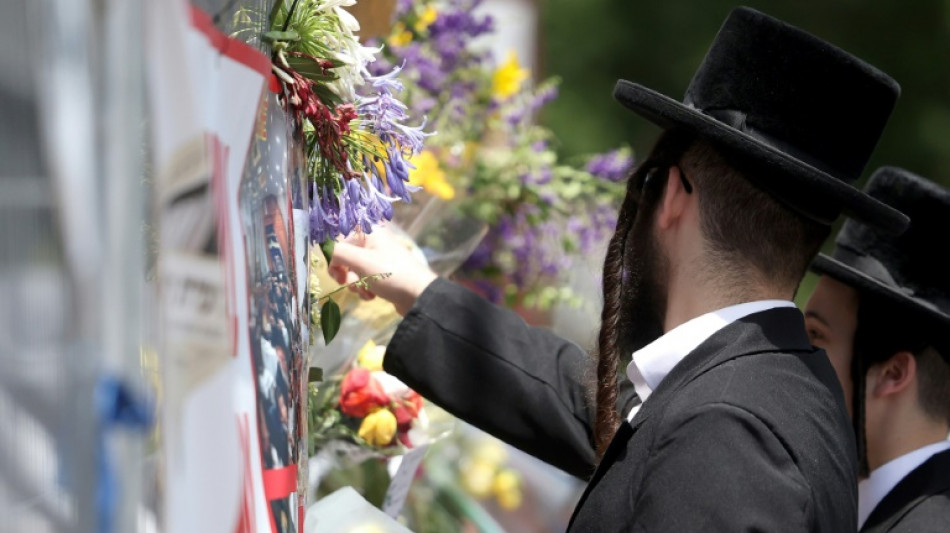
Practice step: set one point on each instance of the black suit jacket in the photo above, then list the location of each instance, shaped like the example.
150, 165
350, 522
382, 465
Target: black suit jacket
920, 503
748, 433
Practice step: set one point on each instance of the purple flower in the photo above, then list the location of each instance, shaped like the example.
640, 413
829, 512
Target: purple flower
480, 258
541, 176
430, 63
397, 175
403, 7
457, 19
528, 247
379, 206
324, 216
386, 115
612, 166
544, 96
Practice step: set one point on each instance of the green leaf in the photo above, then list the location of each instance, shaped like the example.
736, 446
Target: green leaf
327, 248
329, 320
328, 97
275, 36
310, 69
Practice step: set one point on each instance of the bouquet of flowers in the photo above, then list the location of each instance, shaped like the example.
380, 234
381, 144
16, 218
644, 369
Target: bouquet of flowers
356, 132
368, 407
491, 160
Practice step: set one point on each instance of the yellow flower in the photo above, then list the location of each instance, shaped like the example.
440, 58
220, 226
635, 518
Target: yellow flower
506, 480
507, 489
477, 478
490, 451
400, 36
508, 78
378, 428
370, 356
426, 19
429, 175
510, 500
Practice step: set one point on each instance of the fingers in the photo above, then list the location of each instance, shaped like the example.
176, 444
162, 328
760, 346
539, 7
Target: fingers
348, 257
348, 265
338, 273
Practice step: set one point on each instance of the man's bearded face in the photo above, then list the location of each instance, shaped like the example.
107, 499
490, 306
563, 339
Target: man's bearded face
645, 283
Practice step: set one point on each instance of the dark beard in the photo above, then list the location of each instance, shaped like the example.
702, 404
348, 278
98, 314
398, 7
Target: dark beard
643, 300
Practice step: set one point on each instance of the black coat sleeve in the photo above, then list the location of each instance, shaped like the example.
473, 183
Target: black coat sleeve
482, 363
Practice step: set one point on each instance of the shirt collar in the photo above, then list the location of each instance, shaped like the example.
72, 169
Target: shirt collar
654, 361
885, 477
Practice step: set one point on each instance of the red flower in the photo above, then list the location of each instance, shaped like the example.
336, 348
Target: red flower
330, 125
407, 409
360, 393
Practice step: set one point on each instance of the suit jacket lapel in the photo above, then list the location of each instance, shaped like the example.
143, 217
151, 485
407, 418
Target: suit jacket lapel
928, 479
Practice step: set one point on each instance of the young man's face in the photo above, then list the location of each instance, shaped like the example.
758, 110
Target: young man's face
831, 318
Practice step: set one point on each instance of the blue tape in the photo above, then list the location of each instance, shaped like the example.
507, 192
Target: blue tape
117, 408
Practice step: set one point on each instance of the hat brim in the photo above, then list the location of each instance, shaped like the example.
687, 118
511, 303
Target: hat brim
669, 113
829, 266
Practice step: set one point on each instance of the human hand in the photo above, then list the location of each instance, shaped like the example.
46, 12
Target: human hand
383, 251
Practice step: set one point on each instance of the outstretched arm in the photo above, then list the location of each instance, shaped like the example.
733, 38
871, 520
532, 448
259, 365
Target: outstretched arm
480, 362
483, 364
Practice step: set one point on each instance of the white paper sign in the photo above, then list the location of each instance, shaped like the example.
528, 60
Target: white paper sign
403, 471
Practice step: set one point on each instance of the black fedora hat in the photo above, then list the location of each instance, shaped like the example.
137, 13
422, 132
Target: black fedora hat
807, 113
909, 271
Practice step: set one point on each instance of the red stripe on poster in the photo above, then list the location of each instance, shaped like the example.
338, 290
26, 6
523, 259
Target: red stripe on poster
246, 523
243, 53
280, 482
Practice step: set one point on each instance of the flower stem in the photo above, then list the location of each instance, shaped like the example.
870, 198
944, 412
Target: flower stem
290, 13
362, 282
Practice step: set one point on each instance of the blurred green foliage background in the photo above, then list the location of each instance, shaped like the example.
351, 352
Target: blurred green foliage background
592, 43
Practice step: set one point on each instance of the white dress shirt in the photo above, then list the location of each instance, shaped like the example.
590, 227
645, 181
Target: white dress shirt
885, 477
654, 361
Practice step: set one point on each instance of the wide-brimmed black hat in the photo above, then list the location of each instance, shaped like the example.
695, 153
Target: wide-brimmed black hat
809, 113
912, 271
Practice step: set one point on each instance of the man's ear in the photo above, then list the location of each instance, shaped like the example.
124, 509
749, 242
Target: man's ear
894, 375
675, 199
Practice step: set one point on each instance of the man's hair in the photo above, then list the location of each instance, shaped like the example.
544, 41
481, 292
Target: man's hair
748, 234
886, 328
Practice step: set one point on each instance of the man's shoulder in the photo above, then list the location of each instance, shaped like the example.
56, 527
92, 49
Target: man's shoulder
932, 514
790, 393
768, 379
919, 503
